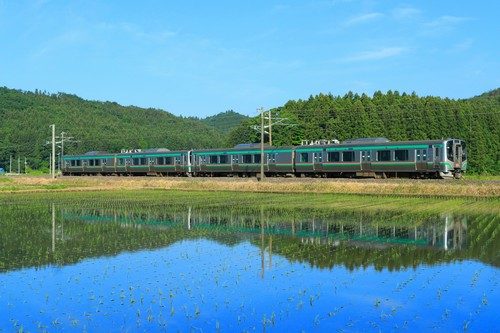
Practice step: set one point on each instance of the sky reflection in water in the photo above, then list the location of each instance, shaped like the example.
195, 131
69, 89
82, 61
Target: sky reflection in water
247, 280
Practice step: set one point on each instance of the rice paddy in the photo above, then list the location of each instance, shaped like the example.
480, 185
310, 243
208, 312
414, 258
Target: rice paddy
156, 261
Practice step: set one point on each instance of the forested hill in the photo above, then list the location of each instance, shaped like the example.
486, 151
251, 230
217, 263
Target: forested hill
392, 115
225, 121
495, 94
25, 118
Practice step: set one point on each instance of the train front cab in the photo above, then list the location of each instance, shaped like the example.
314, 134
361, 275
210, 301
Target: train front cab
455, 156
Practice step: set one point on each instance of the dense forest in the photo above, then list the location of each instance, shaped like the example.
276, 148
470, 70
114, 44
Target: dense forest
224, 121
394, 116
25, 118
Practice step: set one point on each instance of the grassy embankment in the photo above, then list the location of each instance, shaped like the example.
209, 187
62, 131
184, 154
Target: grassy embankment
400, 187
370, 195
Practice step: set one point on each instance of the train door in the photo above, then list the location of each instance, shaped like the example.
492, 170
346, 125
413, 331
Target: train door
366, 160
235, 160
318, 161
454, 153
437, 157
457, 158
421, 159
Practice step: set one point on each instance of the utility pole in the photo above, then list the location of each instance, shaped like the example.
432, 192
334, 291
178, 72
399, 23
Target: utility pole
270, 129
61, 161
18, 165
25, 164
10, 165
261, 143
58, 142
53, 161
262, 128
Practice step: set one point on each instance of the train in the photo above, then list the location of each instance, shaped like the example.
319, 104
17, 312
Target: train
363, 157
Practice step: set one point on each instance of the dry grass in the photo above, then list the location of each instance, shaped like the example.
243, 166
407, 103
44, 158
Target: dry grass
431, 188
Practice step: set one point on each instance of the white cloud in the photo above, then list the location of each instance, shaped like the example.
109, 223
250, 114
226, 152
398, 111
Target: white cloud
444, 23
379, 54
405, 13
464, 45
135, 31
360, 19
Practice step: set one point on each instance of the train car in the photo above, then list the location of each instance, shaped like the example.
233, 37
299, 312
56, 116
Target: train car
379, 157
367, 157
242, 160
154, 162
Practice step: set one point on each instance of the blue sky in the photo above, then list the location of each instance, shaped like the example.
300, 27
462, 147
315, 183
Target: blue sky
198, 58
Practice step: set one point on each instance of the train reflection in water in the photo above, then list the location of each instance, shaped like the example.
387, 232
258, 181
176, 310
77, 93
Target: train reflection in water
445, 232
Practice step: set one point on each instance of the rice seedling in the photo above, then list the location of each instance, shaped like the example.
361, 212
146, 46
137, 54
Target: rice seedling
150, 260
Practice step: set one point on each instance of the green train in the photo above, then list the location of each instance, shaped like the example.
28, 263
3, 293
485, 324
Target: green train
366, 157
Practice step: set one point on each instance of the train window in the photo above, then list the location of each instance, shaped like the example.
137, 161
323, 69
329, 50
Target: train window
436, 152
384, 155
401, 155
214, 159
256, 158
348, 156
424, 154
223, 159
464, 151
247, 159
143, 161
177, 160
235, 159
333, 156
120, 161
304, 157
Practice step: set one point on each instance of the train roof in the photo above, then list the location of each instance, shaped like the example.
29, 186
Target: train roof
375, 143
146, 152
245, 148
251, 148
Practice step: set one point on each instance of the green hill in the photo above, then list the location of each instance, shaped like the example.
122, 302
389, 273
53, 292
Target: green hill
392, 115
492, 94
25, 118
225, 121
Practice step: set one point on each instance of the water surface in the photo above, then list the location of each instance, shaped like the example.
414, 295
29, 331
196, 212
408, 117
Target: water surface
95, 267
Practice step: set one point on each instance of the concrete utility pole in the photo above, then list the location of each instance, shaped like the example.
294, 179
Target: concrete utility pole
261, 143
25, 164
63, 138
53, 161
18, 165
10, 165
61, 161
270, 129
